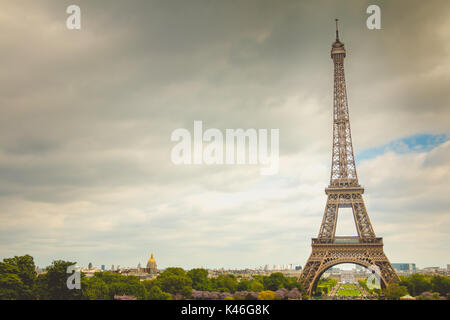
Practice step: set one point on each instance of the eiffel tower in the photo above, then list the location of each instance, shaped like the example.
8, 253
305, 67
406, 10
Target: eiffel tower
344, 191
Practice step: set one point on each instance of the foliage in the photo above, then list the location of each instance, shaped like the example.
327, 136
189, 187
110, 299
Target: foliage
175, 281
127, 288
155, 293
324, 286
429, 296
17, 278
294, 294
149, 284
418, 283
53, 284
266, 295
374, 291
94, 288
225, 283
363, 283
284, 294
256, 286
395, 291
200, 280
281, 294
274, 282
440, 284
121, 285
243, 285
12, 287
176, 271
109, 277
292, 283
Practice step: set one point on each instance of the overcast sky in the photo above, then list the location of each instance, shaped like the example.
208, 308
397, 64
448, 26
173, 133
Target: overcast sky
86, 119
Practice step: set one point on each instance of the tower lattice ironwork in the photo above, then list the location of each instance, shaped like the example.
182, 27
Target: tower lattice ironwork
344, 191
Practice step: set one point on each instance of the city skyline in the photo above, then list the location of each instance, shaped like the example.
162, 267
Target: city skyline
87, 117
410, 267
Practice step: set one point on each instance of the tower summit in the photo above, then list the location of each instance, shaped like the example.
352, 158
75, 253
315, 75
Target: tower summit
344, 191
343, 168
337, 47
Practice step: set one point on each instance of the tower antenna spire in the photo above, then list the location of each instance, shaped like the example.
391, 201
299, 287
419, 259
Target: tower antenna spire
337, 30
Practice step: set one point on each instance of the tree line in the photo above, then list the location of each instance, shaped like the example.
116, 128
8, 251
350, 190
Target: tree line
19, 280
424, 287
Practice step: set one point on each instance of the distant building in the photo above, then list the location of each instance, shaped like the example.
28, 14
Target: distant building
151, 265
103, 267
432, 270
347, 276
90, 266
334, 269
405, 267
298, 268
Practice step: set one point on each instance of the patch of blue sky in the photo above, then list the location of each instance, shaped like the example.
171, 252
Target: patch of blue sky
416, 143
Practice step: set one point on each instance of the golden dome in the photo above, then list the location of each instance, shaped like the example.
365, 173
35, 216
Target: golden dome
152, 259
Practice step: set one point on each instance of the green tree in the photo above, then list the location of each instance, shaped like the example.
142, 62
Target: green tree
395, 291
416, 284
12, 287
148, 284
109, 277
266, 295
174, 271
430, 296
324, 286
274, 282
243, 285
441, 284
291, 283
200, 280
225, 283
155, 293
175, 281
53, 284
127, 287
17, 278
41, 286
25, 267
94, 288
120, 285
256, 286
